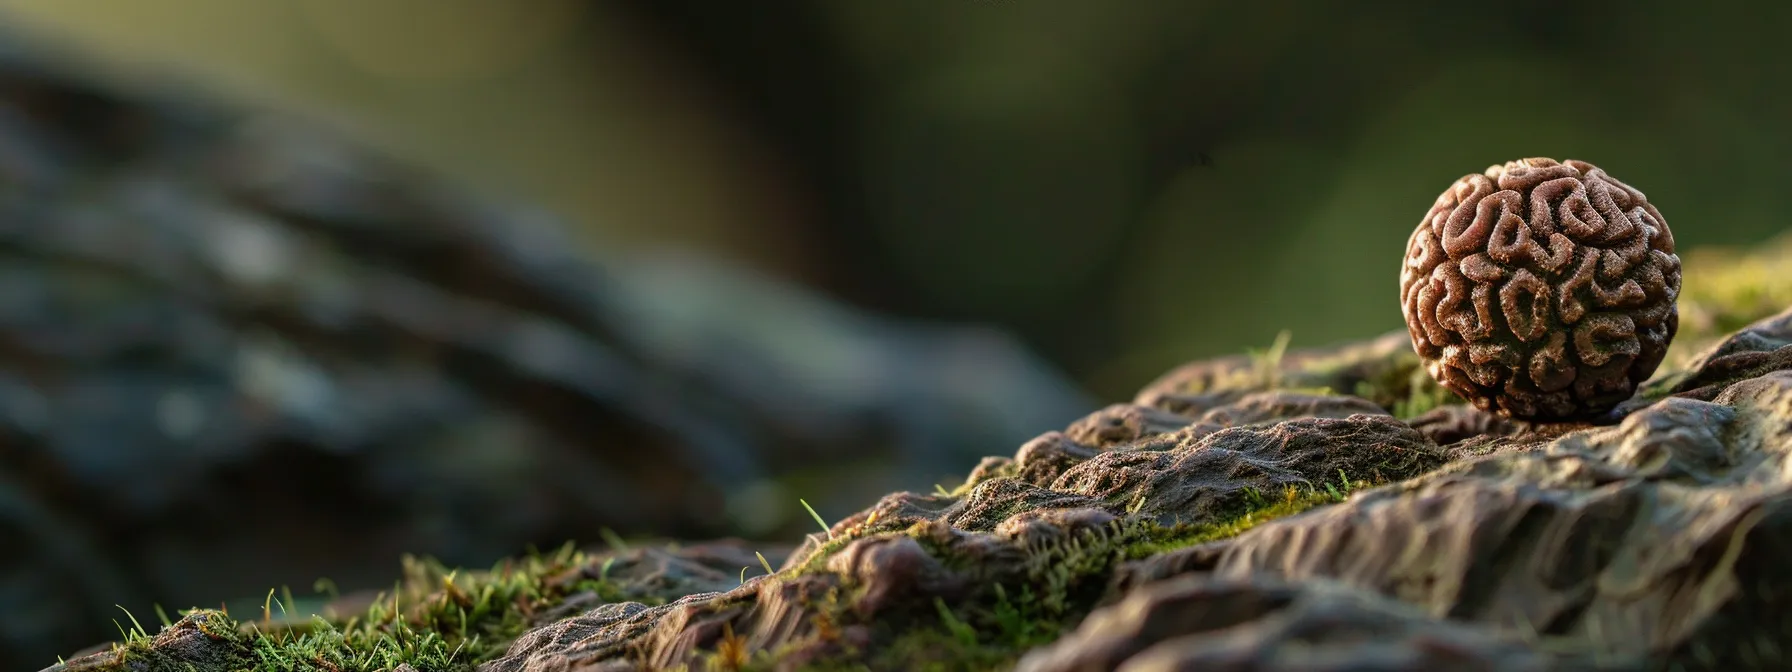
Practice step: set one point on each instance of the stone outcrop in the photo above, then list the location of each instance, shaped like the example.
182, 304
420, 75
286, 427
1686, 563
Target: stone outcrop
1234, 522
1653, 542
1204, 623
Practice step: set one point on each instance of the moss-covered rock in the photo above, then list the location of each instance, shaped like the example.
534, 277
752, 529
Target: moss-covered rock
1323, 509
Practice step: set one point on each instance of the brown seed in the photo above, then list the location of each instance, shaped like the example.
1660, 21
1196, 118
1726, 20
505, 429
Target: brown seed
1541, 290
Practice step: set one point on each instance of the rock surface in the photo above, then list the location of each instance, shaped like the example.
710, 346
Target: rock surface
1656, 542
1242, 516
1203, 623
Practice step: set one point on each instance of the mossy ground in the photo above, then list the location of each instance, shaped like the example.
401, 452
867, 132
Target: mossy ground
1723, 290
1062, 583
1396, 381
439, 620
1726, 289
435, 619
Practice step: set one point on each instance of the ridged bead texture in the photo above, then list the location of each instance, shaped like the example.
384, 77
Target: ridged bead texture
1541, 290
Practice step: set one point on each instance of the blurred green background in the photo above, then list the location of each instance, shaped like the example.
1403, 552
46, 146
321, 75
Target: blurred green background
1126, 185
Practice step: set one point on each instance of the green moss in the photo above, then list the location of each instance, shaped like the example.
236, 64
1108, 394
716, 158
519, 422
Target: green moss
1725, 289
974, 638
1392, 378
436, 619
1055, 586
1400, 384
1261, 510
817, 560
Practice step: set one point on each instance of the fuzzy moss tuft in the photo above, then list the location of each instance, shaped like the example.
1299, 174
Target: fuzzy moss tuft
1401, 385
1057, 584
435, 620
1726, 289
1261, 509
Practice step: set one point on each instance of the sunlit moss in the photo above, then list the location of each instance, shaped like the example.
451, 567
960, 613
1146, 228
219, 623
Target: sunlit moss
435, 619
1056, 585
1725, 289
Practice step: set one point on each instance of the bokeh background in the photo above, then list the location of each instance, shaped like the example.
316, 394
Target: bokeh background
884, 236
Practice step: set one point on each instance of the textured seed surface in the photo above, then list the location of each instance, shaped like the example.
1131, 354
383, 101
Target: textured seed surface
1541, 289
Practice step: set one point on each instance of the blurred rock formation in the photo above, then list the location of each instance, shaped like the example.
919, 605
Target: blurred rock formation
234, 350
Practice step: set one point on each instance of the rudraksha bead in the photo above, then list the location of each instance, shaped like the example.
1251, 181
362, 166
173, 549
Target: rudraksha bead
1541, 290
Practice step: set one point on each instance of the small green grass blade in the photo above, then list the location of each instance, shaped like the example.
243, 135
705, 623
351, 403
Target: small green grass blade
763, 563
818, 520
134, 624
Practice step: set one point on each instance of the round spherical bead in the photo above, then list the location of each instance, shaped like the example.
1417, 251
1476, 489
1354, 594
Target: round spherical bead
1541, 290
